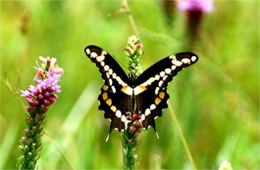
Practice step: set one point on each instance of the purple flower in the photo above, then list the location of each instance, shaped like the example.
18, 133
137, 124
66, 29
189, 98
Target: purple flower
48, 75
39, 97
194, 5
194, 11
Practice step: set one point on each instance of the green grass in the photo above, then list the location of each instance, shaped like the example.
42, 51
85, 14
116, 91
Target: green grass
216, 101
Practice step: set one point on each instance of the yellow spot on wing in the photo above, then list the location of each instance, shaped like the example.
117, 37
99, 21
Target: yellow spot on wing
124, 88
104, 95
113, 108
105, 87
127, 90
161, 95
142, 87
139, 89
157, 100
109, 102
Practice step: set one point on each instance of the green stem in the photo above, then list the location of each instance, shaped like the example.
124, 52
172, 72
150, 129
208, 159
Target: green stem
129, 150
130, 136
31, 141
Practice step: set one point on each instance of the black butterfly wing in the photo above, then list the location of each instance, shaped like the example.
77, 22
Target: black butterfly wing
112, 100
151, 86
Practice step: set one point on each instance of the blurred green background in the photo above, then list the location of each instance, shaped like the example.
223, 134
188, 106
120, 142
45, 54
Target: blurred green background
216, 100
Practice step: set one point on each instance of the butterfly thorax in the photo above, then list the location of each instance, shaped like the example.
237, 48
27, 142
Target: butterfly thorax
132, 80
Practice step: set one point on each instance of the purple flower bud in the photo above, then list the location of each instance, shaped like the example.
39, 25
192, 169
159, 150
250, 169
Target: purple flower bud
47, 102
52, 99
40, 96
42, 86
40, 73
136, 123
135, 115
43, 107
138, 46
23, 139
33, 108
28, 119
47, 94
26, 130
129, 50
34, 128
136, 134
35, 102
51, 89
132, 128
28, 108
30, 100
55, 88
48, 61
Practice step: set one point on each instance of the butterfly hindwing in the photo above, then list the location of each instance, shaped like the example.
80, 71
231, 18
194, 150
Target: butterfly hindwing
155, 80
113, 107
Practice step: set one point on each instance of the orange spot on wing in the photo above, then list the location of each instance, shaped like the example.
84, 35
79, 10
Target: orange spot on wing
105, 96
109, 102
157, 100
113, 108
161, 95
105, 87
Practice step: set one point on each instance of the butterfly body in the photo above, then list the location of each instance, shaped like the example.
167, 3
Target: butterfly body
123, 95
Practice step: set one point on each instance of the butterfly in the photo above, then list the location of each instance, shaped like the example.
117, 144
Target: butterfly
122, 94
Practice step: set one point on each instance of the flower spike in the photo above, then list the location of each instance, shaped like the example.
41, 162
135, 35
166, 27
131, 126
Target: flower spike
39, 97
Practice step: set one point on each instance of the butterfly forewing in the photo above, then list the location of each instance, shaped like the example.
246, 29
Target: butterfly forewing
109, 68
112, 100
155, 80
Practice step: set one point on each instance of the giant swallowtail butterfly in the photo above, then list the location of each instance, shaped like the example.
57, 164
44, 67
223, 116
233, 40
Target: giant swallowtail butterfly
123, 95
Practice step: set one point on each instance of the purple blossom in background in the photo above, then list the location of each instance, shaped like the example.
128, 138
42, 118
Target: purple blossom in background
194, 11
194, 5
